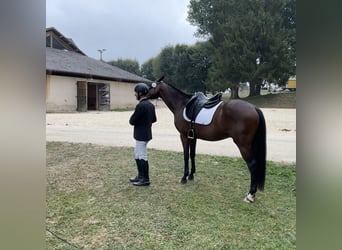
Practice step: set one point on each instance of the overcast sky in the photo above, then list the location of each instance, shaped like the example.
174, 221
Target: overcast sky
127, 29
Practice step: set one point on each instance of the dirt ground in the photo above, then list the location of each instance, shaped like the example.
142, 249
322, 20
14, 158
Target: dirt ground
113, 129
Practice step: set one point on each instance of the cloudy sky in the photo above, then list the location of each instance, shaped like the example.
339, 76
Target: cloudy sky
127, 29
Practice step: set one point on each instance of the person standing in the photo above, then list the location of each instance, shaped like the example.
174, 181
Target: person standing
142, 118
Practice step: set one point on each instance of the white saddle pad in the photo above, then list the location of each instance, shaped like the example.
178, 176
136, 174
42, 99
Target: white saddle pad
205, 116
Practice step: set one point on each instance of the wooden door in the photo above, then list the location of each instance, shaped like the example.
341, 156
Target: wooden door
82, 96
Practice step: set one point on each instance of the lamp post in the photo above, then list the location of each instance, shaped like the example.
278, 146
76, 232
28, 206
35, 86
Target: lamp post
101, 51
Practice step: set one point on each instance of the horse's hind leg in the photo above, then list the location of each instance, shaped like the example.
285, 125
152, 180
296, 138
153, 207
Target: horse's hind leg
192, 157
250, 160
253, 187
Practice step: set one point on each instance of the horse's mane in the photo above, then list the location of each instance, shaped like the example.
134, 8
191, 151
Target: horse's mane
178, 90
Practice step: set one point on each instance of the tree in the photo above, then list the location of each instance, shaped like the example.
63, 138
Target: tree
147, 70
181, 65
250, 40
289, 15
129, 65
199, 64
185, 67
163, 64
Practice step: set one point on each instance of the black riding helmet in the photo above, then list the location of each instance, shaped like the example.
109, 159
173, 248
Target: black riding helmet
141, 88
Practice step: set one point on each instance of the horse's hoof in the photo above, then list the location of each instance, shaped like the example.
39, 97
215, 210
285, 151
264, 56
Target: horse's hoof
191, 178
183, 181
249, 198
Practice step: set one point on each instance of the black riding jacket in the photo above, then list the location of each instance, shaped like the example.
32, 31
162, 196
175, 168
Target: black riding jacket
142, 118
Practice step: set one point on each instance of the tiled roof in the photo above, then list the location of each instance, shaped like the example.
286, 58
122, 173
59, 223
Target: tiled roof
72, 63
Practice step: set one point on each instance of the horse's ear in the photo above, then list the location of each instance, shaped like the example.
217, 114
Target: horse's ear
160, 79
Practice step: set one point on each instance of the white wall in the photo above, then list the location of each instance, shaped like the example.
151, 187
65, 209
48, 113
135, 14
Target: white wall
61, 93
122, 95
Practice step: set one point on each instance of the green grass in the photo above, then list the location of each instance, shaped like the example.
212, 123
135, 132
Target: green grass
267, 99
91, 204
274, 100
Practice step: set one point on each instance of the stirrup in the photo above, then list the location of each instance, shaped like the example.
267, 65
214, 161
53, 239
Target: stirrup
191, 134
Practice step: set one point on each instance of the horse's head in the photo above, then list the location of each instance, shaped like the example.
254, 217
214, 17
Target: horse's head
155, 89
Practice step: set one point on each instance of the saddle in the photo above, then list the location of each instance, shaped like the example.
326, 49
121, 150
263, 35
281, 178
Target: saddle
196, 103
199, 101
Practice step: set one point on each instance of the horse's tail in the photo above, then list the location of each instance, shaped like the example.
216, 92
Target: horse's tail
259, 150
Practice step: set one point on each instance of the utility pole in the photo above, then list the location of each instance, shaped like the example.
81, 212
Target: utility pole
101, 51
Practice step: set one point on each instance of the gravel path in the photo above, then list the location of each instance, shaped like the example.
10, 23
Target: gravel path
113, 129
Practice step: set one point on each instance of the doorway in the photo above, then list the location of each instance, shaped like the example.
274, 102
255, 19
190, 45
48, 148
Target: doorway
93, 96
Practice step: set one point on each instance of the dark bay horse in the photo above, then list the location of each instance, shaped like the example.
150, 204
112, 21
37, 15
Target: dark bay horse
238, 119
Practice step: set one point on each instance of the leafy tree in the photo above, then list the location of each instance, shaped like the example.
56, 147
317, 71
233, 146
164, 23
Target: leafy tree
156, 68
128, 65
199, 63
163, 64
181, 65
289, 15
185, 67
147, 70
251, 40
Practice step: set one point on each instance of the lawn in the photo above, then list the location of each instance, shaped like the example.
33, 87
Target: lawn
91, 204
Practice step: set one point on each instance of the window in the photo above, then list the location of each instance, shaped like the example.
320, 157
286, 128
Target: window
57, 45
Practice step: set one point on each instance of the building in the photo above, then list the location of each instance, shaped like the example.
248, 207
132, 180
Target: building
76, 82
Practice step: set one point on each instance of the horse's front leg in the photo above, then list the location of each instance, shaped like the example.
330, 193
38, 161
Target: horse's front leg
192, 157
185, 143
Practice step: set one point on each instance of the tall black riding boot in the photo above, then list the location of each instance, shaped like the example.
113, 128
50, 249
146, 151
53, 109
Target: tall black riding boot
135, 179
145, 180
